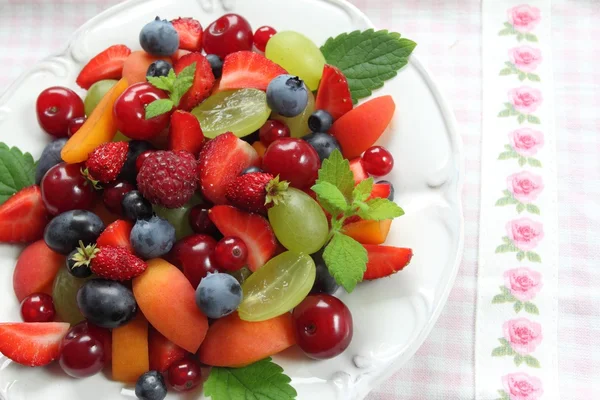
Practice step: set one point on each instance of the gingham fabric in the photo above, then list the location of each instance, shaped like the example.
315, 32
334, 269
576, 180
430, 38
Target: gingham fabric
449, 36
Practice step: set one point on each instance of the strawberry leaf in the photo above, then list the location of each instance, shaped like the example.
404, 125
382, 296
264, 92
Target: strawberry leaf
17, 171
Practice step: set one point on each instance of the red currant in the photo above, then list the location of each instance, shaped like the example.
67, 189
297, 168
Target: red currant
199, 220
195, 256
262, 36
55, 107
130, 112
273, 130
141, 158
377, 161
38, 307
74, 125
82, 355
103, 335
184, 375
64, 188
294, 160
113, 195
231, 253
323, 326
226, 35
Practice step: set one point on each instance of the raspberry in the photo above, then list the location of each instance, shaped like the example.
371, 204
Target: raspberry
106, 161
168, 178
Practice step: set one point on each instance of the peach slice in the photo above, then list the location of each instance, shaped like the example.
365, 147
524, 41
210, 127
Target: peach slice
368, 232
136, 65
36, 269
130, 350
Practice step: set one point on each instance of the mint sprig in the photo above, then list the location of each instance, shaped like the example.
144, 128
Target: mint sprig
175, 85
17, 171
263, 380
367, 58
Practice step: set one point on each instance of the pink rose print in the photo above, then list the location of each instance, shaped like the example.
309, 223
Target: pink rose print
526, 141
525, 186
525, 58
523, 335
525, 233
523, 283
525, 99
521, 386
524, 18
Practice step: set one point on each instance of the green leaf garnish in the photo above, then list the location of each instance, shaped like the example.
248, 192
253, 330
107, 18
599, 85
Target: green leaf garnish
331, 198
380, 209
346, 260
17, 171
175, 85
336, 170
158, 107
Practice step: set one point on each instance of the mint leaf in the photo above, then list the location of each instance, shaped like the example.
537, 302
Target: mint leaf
336, 170
330, 198
363, 190
17, 171
161, 82
367, 58
158, 107
263, 380
380, 209
346, 260
183, 83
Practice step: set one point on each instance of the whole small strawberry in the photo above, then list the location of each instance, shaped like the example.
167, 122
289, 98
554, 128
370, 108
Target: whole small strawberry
106, 161
251, 192
117, 263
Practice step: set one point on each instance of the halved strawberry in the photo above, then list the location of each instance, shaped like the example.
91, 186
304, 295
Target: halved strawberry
185, 133
246, 69
190, 33
106, 65
203, 80
358, 169
162, 351
381, 190
385, 260
334, 94
220, 162
23, 217
32, 344
252, 228
117, 235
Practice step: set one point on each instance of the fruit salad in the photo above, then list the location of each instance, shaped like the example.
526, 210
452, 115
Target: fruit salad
198, 210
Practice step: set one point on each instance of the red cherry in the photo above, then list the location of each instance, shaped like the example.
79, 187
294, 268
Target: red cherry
130, 112
55, 107
323, 326
231, 253
82, 356
141, 158
226, 35
184, 375
38, 307
262, 36
377, 161
294, 160
103, 335
195, 256
64, 188
74, 125
199, 220
113, 195
273, 130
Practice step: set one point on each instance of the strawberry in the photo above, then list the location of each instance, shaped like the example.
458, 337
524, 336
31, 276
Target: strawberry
105, 162
358, 169
203, 80
220, 162
381, 190
185, 133
248, 191
116, 263
23, 216
385, 260
116, 235
106, 65
163, 352
246, 69
190, 33
32, 344
253, 229
334, 94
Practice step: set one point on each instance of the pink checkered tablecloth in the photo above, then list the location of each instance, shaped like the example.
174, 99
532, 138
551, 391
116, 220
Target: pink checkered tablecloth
449, 36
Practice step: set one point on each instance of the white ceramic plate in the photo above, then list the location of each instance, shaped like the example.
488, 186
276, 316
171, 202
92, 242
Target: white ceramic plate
393, 316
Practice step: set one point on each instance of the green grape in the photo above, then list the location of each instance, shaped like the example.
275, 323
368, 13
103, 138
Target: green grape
298, 55
280, 285
64, 295
239, 111
299, 222
96, 93
178, 217
299, 124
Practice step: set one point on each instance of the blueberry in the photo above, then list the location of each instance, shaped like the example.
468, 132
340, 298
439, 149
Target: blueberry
80, 271
251, 138
135, 206
105, 303
218, 295
287, 95
136, 147
250, 170
151, 386
49, 158
152, 238
159, 38
159, 68
324, 282
216, 64
391, 196
65, 230
323, 143
320, 121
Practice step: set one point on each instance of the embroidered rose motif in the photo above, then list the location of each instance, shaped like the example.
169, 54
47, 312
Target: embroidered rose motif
525, 99
521, 386
525, 58
524, 18
521, 338
523, 283
523, 235
526, 141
